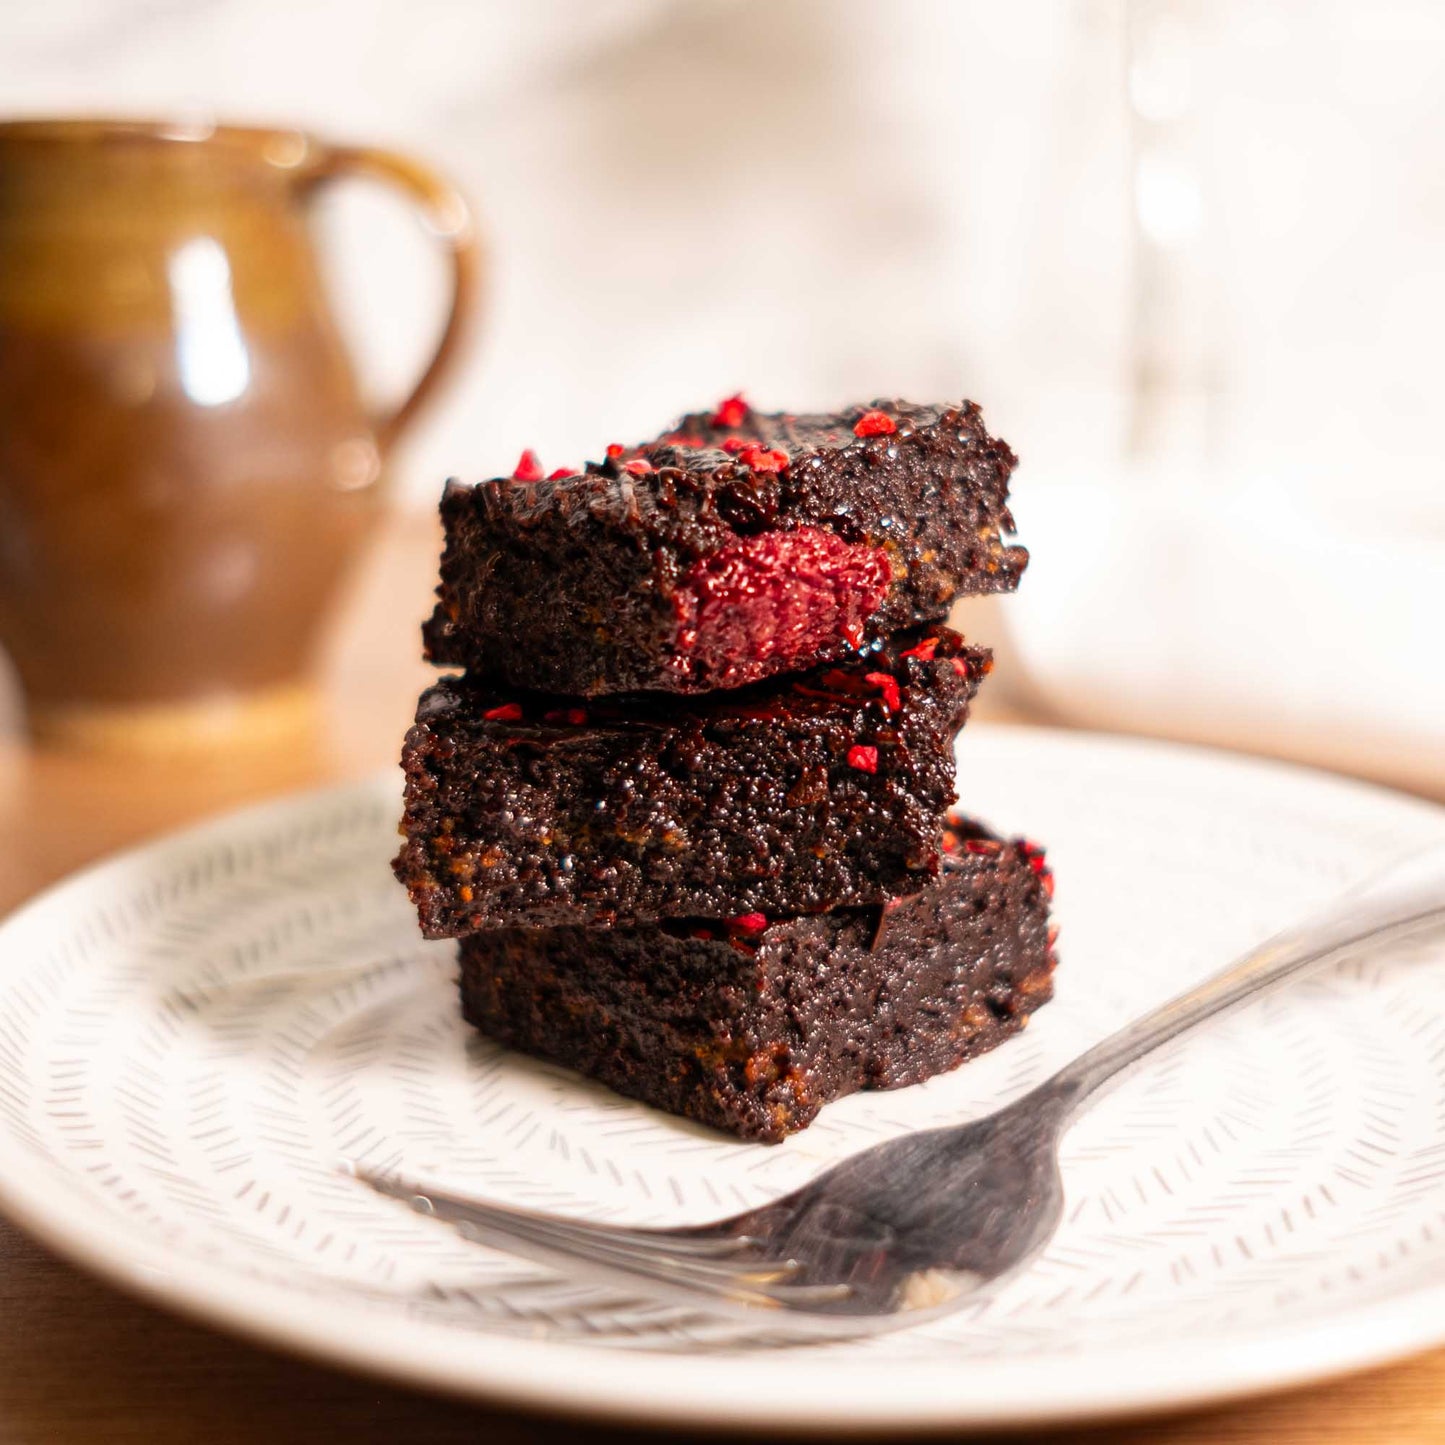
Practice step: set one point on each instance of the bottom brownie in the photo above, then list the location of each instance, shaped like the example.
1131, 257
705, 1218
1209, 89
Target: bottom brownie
753, 1025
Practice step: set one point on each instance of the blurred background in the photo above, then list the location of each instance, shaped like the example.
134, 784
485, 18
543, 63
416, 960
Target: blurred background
1185, 253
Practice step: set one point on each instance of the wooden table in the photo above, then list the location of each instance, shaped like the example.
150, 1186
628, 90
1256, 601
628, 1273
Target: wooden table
79, 1362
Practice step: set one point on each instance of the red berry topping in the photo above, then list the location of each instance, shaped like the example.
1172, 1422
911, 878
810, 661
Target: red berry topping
560, 473
733, 445
638, 468
852, 633
1035, 854
874, 424
863, 757
732, 411
960, 666
615, 450
749, 922
760, 459
985, 847
574, 715
924, 651
528, 468
887, 684
507, 712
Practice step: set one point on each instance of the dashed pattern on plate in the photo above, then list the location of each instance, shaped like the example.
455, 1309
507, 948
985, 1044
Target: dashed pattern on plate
193, 1038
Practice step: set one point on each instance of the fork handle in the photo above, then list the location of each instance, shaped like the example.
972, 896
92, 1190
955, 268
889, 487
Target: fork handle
1405, 899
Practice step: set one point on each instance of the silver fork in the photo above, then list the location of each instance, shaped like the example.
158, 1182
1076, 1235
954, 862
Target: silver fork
911, 1228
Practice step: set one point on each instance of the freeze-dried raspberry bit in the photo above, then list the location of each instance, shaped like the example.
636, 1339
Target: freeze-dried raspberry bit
560, 473
874, 424
887, 684
639, 467
528, 468
924, 651
1038, 862
506, 712
762, 459
615, 450
733, 445
863, 757
731, 411
749, 922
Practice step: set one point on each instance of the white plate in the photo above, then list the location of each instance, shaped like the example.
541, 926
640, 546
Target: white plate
192, 1034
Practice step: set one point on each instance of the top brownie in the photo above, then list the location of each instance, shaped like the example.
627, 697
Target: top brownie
738, 545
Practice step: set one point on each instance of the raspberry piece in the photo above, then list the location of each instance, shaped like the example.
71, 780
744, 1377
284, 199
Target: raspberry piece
749, 922
732, 411
506, 712
924, 651
615, 450
863, 757
733, 445
560, 473
640, 467
874, 424
762, 459
528, 468
887, 684
1035, 854
776, 598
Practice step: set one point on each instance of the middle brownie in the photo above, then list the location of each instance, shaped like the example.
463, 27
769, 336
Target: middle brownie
820, 791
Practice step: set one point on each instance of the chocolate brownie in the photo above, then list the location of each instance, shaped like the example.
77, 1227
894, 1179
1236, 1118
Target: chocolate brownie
752, 1026
817, 791
736, 546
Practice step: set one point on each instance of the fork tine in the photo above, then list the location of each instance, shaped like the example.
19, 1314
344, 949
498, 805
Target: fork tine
649, 1253
454, 1208
511, 1232
765, 1286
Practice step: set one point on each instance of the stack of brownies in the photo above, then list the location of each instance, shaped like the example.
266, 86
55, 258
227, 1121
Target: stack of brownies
686, 804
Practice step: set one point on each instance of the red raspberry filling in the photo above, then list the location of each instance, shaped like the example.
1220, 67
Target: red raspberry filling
767, 603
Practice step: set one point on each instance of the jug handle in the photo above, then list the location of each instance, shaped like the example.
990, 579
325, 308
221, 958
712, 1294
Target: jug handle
446, 215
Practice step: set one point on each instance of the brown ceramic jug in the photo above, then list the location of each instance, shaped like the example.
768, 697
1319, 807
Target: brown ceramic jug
186, 467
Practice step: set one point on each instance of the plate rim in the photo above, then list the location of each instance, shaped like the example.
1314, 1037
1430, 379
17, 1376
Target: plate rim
637, 1385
